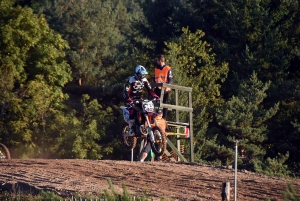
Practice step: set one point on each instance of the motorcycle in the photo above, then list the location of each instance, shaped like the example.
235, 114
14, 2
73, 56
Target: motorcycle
145, 126
4, 152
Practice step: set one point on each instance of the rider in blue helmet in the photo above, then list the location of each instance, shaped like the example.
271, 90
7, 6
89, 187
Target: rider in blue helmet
133, 90
140, 72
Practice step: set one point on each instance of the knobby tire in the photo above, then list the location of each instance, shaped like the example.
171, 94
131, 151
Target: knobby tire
160, 145
6, 151
129, 142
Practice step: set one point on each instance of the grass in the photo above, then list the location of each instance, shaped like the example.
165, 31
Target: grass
107, 195
289, 194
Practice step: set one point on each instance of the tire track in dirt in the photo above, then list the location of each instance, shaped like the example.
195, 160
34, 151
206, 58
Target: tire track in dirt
175, 181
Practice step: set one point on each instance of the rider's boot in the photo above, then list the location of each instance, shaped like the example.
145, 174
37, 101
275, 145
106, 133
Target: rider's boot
131, 127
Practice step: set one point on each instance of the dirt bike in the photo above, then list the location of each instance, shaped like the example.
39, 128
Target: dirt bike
4, 152
145, 126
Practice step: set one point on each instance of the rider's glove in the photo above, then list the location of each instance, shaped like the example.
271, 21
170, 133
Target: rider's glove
130, 102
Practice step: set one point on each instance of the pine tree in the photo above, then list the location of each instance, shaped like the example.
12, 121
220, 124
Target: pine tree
164, 21
261, 36
244, 119
95, 31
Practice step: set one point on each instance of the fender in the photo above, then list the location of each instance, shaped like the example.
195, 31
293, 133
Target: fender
125, 113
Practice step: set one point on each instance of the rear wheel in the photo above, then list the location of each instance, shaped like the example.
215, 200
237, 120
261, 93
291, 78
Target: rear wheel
129, 142
4, 152
160, 141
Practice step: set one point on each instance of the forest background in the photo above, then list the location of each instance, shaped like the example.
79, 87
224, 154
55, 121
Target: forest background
64, 63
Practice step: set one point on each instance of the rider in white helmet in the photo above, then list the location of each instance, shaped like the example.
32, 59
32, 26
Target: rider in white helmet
133, 90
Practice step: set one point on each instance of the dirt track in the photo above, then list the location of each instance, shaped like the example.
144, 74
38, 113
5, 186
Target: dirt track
173, 181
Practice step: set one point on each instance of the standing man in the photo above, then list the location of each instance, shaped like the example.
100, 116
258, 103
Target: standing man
162, 74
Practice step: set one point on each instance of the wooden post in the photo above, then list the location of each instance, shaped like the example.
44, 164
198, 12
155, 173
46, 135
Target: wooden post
225, 191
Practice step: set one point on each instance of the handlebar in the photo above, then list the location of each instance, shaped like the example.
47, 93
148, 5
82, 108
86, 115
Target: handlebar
136, 101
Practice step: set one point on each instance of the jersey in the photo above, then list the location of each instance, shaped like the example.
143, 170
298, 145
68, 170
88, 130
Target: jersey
134, 88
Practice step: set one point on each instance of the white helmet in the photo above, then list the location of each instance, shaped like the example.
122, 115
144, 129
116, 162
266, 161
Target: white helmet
140, 72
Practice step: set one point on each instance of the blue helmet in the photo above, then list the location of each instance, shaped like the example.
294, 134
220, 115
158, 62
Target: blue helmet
140, 72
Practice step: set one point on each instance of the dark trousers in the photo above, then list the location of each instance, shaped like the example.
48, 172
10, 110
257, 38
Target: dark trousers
165, 100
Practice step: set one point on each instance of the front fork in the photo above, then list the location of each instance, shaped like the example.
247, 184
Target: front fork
150, 132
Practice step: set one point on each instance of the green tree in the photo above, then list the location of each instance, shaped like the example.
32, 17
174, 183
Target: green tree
244, 119
164, 21
252, 35
261, 36
194, 65
33, 72
95, 30
76, 134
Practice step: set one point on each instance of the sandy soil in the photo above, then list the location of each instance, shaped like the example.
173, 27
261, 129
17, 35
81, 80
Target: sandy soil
169, 180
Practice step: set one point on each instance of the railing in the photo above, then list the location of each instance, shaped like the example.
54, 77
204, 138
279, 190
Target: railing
187, 126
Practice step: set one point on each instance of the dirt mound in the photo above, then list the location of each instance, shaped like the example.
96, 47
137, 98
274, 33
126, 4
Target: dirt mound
173, 181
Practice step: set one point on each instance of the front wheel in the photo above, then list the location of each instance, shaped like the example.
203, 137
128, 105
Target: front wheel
160, 141
4, 152
129, 142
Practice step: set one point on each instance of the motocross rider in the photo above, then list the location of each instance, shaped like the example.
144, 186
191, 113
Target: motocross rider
133, 90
